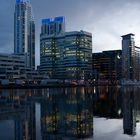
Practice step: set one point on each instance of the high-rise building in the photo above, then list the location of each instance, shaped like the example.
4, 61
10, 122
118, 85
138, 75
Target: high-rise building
24, 31
65, 55
77, 55
130, 58
53, 26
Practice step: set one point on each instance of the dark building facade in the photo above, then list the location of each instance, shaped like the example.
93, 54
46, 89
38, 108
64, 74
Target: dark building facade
107, 65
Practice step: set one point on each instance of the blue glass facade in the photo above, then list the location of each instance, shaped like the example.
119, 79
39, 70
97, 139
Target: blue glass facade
55, 20
22, 1
53, 26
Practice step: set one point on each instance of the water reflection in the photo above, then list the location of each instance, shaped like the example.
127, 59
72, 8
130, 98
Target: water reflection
18, 108
62, 114
118, 103
131, 107
67, 113
107, 102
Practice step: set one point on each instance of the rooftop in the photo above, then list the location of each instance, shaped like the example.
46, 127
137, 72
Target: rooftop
130, 34
60, 19
22, 1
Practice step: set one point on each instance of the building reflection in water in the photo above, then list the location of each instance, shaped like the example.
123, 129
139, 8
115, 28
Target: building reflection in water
67, 113
131, 109
107, 102
64, 113
116, 103
16, 106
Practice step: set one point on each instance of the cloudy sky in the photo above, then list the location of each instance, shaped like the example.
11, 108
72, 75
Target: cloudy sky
107, 20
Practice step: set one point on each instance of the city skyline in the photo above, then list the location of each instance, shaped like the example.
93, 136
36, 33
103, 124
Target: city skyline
106, 20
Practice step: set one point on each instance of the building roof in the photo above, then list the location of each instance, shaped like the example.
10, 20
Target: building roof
60, 19
108, 51
130, 34
21, 1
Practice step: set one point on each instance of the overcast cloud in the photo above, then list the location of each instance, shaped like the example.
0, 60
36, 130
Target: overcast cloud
107, 20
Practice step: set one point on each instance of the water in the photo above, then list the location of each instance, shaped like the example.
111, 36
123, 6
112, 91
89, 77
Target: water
97, 113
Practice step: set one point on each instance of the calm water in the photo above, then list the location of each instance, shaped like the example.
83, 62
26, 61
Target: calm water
97, 113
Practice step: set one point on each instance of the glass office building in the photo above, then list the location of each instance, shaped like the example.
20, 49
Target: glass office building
78, 55
65, 55
24, 31
107, 65
130, 58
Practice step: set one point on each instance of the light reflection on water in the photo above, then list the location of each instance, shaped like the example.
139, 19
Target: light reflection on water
47, 114
68, 113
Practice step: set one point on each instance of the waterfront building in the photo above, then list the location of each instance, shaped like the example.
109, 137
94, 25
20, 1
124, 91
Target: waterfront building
13, 67
10, 65
65, 55
24, 31
130, 58
77, 58
107, 65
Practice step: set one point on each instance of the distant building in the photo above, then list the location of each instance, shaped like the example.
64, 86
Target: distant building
130, 58
65, 55
107, 65
24, 31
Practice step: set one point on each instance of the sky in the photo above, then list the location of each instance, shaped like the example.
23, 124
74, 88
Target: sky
107, 20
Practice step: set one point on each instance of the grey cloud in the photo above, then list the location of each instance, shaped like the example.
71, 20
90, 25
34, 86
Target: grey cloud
6, 26
106, 19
